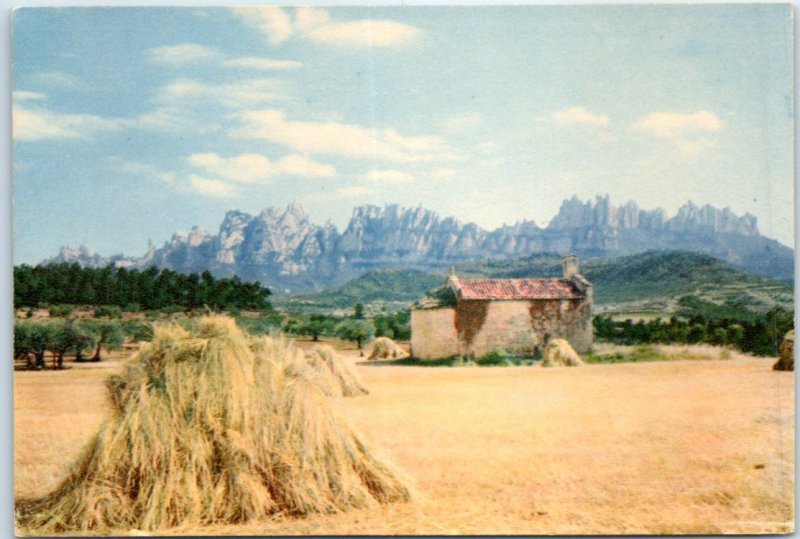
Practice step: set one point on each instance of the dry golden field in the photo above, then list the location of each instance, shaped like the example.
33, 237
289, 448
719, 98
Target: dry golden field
690, 447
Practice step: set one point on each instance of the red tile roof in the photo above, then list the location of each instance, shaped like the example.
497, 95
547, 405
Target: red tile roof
518, 289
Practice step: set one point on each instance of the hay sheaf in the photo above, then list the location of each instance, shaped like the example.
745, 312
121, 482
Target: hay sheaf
336, 376
213, 427
558, 352
786, 350
386, 348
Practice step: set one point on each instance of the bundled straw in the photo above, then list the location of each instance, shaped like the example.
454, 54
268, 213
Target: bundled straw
386, 348
786, 350
213, 427
337, 376
558, 352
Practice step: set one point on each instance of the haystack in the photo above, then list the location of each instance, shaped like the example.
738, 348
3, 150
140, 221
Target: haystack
558, 352
386, 348
213, 427
786, 349
337, 377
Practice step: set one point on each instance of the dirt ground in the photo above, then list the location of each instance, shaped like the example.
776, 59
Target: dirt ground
690, 447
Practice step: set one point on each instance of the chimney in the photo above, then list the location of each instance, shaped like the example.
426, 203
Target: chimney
570, 267
452, 279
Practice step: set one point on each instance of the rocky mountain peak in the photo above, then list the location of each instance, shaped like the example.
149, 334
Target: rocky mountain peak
691, 216
284, 249
197, 236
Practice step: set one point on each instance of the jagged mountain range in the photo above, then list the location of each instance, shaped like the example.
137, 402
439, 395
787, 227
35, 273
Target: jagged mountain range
285, 250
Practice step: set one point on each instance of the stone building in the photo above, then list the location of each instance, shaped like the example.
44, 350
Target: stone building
517, 316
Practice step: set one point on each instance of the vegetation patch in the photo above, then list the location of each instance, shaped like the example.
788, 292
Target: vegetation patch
148, 289
638, 354
650, 275
502, 359
378, 286
703, 322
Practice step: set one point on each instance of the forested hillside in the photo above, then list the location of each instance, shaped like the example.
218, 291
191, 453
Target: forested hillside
148, 289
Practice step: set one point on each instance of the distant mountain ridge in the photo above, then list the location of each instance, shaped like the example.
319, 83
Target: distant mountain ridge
285, 250
650, 279
650, 274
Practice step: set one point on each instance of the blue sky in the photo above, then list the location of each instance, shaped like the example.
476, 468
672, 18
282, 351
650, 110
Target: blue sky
131, 124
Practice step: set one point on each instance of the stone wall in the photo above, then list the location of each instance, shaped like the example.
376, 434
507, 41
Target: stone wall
433, 333
564, 319
518, 327
506, 327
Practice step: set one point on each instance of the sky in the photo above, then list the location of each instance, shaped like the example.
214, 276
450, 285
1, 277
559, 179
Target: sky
130, 124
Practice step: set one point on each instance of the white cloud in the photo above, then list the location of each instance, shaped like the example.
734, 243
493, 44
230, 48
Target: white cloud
676, 124
443, 173
263, 64
237, 94
58, 79
272, 21
30, 123
194, 53
160, 119
693, 147
387, 176
315, 24
39, 124
246, 168
141, 170
214, 188
307, 18
22, 95
578, 116
349, 140
462, 122
253, 168
352, 191
366, 33
488, 147
183, 53
299, 165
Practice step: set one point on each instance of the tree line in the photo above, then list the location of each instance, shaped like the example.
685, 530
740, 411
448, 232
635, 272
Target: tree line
133, 289
356, 328
758, 334
84, 340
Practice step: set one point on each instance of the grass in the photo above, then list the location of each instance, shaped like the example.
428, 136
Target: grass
637, 354
489, 360
452, 361
499, 359
614, 353
602, 353
665, 447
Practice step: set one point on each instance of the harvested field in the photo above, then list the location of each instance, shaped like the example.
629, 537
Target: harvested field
693, 447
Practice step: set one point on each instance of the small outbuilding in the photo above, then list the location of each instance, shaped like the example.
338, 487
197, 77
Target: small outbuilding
516, 316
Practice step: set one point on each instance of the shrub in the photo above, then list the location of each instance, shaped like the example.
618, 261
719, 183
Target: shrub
357, 331
61, 310
637, 355
497, 359
136, 330
108, 311
263, 325
444, 296
171, 309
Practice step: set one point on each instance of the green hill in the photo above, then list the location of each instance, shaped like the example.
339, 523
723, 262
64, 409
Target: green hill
653, 280
648, 282
394, 288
